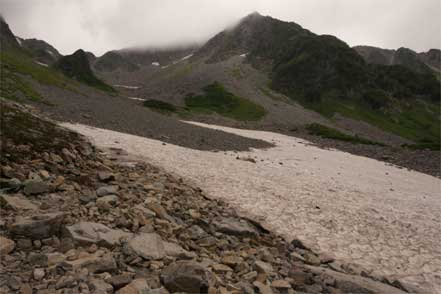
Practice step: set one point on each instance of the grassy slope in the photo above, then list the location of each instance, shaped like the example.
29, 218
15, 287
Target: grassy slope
16, 65
217, 99
325, 76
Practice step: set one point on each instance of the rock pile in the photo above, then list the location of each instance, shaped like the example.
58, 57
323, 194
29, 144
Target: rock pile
77, 221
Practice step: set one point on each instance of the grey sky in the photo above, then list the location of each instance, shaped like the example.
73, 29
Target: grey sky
102, 25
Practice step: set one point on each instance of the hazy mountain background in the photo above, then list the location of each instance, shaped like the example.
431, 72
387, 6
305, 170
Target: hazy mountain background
100, 26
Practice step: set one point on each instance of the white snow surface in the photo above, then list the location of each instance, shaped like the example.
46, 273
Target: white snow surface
356, 209
41, 63
127, 87
18, 40
155, 63
136, 98
243, 55
50, 52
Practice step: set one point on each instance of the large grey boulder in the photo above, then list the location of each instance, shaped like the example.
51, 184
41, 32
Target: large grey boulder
148, 246
352, 283
107, 190
87, 233
234, 226
95, 263
16, 203
38, 226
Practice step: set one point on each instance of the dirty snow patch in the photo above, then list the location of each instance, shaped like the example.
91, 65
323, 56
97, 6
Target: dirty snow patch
357, 209
18, 40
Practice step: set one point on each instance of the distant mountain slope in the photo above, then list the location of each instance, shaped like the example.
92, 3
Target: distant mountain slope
112, 61
76, 66
163, 56
431, 58
41, 50
324, 74
419, 62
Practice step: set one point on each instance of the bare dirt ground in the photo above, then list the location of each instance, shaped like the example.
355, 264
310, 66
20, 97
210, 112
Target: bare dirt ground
356, 209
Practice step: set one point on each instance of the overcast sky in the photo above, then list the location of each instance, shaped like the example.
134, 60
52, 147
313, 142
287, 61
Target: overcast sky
102, 25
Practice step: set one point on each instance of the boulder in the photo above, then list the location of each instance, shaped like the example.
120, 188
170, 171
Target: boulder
234, 226
6, 246
38, 274
147, 213
107, 202
95, 263
107, 190
174, 250
106, 176
38, 226
263, 267
352, 283
17, 203
187, 276
263, 288
99, 286
138, 286
36, 187
148, 246
120, 281
280, 284
160, 211
87, 233
10, 185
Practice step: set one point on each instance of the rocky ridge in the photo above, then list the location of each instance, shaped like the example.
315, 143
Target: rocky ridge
77, 220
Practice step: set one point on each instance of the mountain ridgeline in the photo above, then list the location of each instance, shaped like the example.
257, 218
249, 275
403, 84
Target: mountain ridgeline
324, 74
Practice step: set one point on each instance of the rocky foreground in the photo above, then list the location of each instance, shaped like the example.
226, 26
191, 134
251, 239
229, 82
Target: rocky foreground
75, 220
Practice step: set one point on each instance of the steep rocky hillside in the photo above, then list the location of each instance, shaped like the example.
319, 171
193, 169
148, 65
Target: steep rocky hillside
420, 62
432, 58
266, 60
41, 51
76, 66
112, 61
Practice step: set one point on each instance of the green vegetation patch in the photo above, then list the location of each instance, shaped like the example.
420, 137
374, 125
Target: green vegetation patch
17, 68
330, 133
160, 106
217, 99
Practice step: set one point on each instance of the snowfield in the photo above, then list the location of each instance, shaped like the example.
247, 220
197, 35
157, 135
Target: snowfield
356, 209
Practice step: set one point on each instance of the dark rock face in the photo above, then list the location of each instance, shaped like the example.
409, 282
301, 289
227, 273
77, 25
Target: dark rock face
187, 276
77, 66
37, 226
